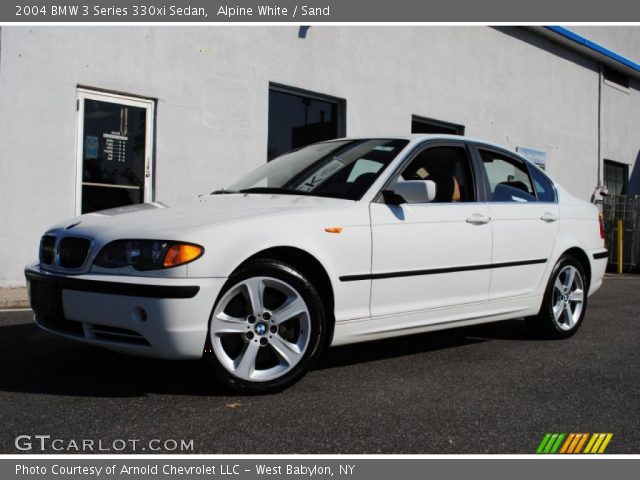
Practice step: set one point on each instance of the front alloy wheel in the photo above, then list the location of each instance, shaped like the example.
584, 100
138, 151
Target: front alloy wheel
266, 328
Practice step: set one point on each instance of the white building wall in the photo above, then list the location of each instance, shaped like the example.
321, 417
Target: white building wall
621, 129
505, 85
620, 107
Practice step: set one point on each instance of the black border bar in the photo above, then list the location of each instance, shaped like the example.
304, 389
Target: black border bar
315, 11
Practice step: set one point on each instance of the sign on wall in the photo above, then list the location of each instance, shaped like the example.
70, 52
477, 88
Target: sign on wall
536, 156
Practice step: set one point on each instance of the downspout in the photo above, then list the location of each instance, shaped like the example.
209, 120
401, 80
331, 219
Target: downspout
600, 192
600, 79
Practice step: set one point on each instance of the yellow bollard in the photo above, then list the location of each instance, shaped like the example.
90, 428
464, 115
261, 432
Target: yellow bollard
620, 244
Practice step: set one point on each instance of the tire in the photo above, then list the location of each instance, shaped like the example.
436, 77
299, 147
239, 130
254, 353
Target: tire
565, 301
267, 328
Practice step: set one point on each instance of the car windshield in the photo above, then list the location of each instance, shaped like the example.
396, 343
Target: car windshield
341, 169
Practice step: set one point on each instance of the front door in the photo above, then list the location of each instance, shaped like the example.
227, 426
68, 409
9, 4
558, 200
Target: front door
436, 254
114, 151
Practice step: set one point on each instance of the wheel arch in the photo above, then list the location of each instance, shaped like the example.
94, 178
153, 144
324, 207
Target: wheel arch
308, 264
581, 256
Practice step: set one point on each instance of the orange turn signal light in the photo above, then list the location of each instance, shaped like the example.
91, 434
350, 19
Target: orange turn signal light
333, 229
181, 253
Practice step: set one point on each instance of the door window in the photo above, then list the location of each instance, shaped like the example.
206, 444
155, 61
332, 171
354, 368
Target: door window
449, 168
508, 178
114, 151
544, 188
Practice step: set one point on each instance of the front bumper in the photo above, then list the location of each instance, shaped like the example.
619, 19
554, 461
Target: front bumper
156, 317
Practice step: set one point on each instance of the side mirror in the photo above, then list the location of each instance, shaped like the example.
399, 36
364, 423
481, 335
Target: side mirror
392, 198
410, 191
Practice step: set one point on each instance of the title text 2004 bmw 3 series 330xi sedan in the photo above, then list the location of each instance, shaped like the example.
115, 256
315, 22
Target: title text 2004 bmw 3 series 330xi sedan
339, 242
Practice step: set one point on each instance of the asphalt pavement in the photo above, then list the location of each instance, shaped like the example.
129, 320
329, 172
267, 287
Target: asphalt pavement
485, 389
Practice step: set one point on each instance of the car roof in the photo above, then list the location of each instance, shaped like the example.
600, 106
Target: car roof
418, 137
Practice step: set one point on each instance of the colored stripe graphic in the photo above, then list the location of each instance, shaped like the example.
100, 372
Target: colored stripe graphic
567, 443
551, 443
556, 446
581, 443
573, 443
605, 443
543, 443
591, 442
598, 442
574, 446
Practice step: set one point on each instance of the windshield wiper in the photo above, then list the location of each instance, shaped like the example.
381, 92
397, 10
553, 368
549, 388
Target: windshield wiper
285, 191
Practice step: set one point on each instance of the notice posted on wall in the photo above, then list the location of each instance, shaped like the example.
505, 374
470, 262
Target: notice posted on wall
115, 148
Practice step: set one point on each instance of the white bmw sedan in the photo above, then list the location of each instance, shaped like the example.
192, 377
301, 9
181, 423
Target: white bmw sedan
339, 242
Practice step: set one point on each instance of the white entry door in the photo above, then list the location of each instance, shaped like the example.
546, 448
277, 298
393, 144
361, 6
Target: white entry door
114, 151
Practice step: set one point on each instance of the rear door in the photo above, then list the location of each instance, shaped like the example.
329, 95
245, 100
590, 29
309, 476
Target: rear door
524, 215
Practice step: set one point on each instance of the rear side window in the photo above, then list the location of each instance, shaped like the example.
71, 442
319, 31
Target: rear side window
544, 188
509, 179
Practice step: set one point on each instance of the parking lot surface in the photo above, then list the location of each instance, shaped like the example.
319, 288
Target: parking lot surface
485, 389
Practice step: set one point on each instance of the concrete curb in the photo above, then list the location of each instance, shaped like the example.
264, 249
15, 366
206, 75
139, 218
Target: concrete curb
14, 298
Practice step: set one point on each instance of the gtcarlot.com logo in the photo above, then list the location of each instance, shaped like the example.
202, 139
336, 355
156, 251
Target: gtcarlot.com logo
574, 443
44, 443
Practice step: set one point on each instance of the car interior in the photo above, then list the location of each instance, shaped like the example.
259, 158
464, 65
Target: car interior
449, 168
508, 178
348, 182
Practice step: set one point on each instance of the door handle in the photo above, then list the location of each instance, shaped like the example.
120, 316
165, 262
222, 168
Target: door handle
548, 217
477, 219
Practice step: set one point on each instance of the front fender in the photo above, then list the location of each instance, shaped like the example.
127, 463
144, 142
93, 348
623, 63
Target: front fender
228, 245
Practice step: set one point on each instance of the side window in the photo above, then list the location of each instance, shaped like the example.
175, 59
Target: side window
508, 178
449, 168
543, 186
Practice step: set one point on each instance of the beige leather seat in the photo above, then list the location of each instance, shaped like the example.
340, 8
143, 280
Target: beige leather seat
456, 190
447, 188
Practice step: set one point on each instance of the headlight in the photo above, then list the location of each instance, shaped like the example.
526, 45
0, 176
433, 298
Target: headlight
147, 254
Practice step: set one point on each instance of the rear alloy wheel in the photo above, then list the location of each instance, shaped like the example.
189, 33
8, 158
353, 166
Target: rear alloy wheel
266, 328
565, 301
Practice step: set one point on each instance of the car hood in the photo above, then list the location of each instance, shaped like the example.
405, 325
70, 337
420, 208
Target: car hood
150, 220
